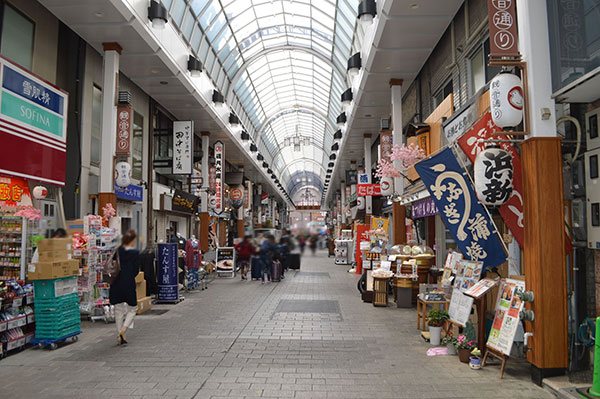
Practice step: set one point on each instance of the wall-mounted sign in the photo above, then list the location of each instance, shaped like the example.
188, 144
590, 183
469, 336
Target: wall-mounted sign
183, 147
424, 208
184, 202
502, 22
351, 177
385, 141
212, 178
219, 165
14, 191
363, 178
369, 190
237, 196
168, 290
33, 126
131, 192
461, 122
123, 129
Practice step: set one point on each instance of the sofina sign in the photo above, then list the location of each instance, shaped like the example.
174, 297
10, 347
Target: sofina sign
33, 125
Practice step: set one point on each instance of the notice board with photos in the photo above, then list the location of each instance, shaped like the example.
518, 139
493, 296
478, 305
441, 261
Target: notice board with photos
506, 317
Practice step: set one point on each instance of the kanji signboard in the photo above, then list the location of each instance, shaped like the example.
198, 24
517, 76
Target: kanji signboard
219, 164
503, 28
14, 191
123, 129
385, 141
168, 289
462, 213
183, 147
369, 190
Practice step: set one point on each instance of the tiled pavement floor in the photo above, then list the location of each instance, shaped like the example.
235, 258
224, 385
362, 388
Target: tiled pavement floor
246, 340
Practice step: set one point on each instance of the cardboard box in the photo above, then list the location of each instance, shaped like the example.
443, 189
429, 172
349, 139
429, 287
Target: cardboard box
140, 289
139, 278
52, 270
74, 226
52, 256
144, 305
55, 244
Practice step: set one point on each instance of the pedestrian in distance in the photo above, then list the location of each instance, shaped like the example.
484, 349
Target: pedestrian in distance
302, 243
244, 251
313, 244
268, 253
122, 291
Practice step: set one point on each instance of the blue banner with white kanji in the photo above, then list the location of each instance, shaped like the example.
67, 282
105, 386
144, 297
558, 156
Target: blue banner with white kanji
168, 287
460, 209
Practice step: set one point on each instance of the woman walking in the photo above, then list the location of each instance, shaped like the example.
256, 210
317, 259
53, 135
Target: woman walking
122, 290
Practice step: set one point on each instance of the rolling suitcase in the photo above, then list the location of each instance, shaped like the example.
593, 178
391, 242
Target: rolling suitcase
255, 265
294, 261
276, 272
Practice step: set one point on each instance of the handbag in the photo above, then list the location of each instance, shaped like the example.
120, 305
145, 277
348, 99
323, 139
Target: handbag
112, 268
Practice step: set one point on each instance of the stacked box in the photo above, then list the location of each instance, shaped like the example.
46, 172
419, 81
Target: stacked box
56, 308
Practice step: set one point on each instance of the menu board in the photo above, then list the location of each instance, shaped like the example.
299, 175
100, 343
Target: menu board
452, 259
506, 318
481, 287
467, 274
460, 307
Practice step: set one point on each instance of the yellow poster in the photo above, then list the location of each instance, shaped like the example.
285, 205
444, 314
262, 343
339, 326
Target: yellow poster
380, 223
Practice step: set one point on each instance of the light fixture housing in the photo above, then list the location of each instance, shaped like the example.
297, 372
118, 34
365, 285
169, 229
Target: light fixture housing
270, 171
335, 147
337, 136
265, 165
347, 98
234, 121
194, 66
331, 164
354, 65
367, 10
218, 98
341, 120
245, 136
260, 157
157, 14
332, 157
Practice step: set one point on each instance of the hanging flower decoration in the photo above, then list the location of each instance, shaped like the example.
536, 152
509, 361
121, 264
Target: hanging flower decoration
109, 212
30, 213
386, 168
407, 155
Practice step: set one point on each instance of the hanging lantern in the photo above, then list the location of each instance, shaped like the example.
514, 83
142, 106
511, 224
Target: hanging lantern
123, 174
360, 203
387, 186
493, 172
212, 202
506, 100
40, 192
237, 196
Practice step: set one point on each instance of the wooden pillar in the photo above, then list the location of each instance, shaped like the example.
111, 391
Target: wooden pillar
204, 231
399, 223
368, 219
222, 233
240, 228
544, 254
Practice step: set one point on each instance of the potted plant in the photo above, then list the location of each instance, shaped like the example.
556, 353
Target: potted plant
450, 342
475, 362
435, 321
464, 348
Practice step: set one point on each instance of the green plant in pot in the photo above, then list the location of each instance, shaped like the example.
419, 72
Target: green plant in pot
435, 321
475, 359
450, 342
464, 346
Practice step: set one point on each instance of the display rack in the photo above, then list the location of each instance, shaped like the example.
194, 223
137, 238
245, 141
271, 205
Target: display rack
18, 322
13, 247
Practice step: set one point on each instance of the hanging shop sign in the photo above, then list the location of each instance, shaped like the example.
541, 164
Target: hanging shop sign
247, 196
33, 126
385, 142
212, 178
123, 174
462, 213
197, 182
506, 100
511, 210
493, 171
237, 196
183, 147
363, 178
351, 177
264, 199
461, 121
502, 22
40, 192
14, 191
131, 192
387, 186
219, 169
368, 190
348, 191
168, 290
506, 318
184, 202
424, 208
123, 129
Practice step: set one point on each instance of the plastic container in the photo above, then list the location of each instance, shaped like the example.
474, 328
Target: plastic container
47, 289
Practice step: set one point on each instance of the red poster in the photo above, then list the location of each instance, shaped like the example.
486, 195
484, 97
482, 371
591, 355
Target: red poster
362, 234
511, 211
369, 190
14, 191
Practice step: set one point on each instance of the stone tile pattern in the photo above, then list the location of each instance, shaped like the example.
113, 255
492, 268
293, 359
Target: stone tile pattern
232, 342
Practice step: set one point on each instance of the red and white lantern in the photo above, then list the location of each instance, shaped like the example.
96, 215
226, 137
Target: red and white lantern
506, 100
123, 174
493, 172
387, 186
40, 192
360, 203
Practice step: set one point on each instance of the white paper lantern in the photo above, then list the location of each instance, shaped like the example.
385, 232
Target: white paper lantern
506, 100
212, 202
40, 192
360, 203
123, 174
493, 172
387, 186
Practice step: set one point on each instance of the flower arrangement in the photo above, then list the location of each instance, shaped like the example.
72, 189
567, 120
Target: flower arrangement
462, 342
30, 213
437, 317
108, 212
407, 155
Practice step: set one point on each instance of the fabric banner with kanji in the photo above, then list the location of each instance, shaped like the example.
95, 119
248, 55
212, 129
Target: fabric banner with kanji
460, 209
512, 210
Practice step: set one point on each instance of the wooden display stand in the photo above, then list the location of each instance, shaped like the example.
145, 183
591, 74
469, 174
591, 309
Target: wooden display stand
380, 291
422, 310
500, 356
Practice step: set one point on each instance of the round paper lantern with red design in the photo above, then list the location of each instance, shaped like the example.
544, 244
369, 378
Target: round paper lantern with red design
493, 172
40, 192
387, 186
360, 203
123, 174
506, 100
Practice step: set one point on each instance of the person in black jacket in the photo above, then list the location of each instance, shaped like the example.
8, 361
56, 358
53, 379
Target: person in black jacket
122, 291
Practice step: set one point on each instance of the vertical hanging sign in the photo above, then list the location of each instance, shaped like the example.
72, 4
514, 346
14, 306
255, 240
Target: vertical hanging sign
123, 129
219, 155
503, 28
183, 147
385, 139
168, 290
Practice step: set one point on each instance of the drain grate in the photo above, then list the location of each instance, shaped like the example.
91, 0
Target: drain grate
312, 274
307, 306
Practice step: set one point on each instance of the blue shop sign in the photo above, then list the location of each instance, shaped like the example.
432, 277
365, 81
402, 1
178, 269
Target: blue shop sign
131, 192
168, 289
33, 91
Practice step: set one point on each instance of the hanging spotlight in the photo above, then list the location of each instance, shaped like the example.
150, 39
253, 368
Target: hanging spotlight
341, 120
157, 13
335, 147
332, 157
354, 65
347, 98
218, 98
265, 165
367, 10
234, 121
331, 164
337, 136
329, 170
260, 157
253, 148
245, 136
194, 66
269, 171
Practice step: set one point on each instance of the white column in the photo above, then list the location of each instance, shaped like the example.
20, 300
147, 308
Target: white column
343, 198
110, 76
532, 19
397, 132
368, 199
205, 167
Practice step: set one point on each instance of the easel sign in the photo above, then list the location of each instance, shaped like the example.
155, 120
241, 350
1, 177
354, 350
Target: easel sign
460, 308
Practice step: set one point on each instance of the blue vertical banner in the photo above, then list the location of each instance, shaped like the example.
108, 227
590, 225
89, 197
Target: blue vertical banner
460, 209
168, 288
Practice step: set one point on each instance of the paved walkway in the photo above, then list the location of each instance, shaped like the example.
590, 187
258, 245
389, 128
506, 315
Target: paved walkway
309, 336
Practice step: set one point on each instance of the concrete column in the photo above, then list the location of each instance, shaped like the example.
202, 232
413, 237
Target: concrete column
368, 199
397, 134
110, 80
343, 197
204, 217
